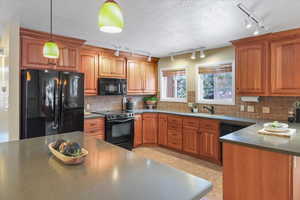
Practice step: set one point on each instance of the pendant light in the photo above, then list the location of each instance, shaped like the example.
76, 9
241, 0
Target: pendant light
51, 49
110, 18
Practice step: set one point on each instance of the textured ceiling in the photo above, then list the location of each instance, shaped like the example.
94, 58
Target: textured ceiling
161, 26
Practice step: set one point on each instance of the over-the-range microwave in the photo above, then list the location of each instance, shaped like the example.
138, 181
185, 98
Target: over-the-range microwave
112, 86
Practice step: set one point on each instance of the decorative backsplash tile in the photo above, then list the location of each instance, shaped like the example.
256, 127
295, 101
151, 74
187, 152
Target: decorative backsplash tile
279, 107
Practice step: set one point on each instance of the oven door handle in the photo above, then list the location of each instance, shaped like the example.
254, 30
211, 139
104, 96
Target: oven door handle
121, 121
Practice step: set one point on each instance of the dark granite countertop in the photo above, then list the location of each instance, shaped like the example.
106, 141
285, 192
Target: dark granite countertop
29, 171
249, 136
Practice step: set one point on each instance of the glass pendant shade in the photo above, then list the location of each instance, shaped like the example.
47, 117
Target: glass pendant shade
51, 50
110, 18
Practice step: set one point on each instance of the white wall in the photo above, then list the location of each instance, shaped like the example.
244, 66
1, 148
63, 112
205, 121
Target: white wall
9, 118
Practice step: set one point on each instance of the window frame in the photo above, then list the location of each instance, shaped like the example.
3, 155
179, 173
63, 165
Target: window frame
161, 85
198, 85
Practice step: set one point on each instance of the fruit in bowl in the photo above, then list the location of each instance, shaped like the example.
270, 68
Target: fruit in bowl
68, 152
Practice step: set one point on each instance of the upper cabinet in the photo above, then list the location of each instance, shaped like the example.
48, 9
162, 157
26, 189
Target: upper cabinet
285, 67
89, 66
268, 65
32, 43
251, 69
112, 66
142, 77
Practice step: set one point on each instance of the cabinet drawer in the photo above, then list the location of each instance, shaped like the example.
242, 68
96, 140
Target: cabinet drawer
175, 141
149, 115
174, 122
174, 135
95, 133
209, 124
191, 122
163, 116
94, 124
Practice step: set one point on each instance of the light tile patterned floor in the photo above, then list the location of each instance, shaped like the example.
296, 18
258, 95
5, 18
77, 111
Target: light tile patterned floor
194, 166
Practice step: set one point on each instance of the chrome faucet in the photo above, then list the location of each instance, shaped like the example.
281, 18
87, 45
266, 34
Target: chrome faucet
210, 109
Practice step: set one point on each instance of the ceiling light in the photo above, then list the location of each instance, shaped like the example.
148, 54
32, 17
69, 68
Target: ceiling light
149, 58
110, 18
193, 57
172, 58
50, 49
202, 54
256, 32
117, 53
248, 23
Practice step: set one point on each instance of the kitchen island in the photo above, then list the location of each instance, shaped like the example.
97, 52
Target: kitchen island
29, 171
261, 167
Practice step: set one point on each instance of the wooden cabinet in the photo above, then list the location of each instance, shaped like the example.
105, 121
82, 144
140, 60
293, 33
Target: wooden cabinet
134, 77
190, 135
141, 77
252, 173
94, 127
162, 129
285, 67
208, 140
174, 139
150, 128
150, 78
32, 54
32, 43
138, 130
251, 69
112, 66
89, 66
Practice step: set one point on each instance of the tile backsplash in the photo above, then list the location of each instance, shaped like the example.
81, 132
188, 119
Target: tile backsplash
278, 107
105, 103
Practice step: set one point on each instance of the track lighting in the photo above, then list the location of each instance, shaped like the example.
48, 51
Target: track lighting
172, 58
248, 23
202, 54
193, 57
256, 32
117, 53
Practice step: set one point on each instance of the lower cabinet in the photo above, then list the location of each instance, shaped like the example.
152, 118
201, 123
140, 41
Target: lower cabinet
150, 127
269, 174
192, 135
94, 127
138, 130
163, 129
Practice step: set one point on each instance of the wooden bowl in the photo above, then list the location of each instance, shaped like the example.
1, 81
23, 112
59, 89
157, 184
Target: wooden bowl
68, 160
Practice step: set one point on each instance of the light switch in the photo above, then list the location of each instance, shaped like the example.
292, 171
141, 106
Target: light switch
250, 108
265, 110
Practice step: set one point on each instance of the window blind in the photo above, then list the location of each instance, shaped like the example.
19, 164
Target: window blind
214, 70
173, 73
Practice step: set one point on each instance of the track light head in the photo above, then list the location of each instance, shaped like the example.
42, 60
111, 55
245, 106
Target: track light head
248, 23
149, 58
193, 56
117, 53
172, 58
257, 31
202, 54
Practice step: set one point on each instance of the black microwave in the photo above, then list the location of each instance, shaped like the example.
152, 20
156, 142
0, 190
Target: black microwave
112, 86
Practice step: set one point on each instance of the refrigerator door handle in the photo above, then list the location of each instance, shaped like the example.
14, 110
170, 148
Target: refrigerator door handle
55, 125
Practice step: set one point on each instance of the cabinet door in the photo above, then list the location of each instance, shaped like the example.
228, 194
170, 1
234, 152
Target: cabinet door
138, 130
67, 58
162, 129
149, 128
189, 137
119, 68
105, 69
134, 77
285, 67
89, 66
150, 78
208, 144
32, 54
251, 70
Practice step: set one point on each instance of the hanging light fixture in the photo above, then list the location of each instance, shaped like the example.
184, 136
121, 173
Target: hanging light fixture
110, 18
50, 49
193, 56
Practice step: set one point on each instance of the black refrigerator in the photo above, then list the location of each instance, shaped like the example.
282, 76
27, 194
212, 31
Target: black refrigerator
52, 102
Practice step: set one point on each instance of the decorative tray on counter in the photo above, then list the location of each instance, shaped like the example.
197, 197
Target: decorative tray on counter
276, 127
68, 160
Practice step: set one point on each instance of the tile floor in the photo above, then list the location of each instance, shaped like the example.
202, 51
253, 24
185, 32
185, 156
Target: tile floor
194, 166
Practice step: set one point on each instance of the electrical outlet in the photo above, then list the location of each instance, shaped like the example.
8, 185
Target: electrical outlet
250, 109
265, 110
242, 108
190, 105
